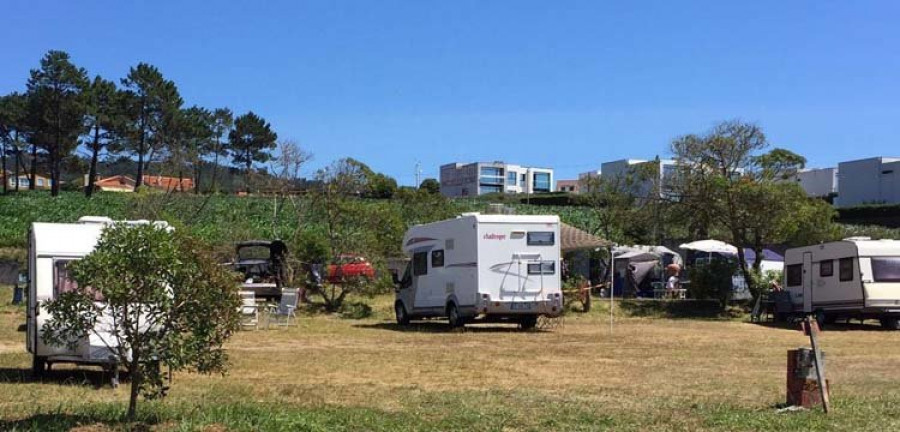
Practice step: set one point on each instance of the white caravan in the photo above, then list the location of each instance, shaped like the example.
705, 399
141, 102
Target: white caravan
490, 267
853, 278
51, 247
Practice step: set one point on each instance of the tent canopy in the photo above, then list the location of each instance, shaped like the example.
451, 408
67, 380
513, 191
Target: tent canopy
767, 255
710, 246
572, 238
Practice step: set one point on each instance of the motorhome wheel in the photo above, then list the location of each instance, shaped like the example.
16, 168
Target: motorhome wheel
400, 312
528, 322
453, 317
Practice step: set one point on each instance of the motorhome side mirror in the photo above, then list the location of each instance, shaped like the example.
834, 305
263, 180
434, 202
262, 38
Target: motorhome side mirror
395, 278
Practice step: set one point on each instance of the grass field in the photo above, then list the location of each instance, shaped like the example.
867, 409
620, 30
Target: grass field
329, 373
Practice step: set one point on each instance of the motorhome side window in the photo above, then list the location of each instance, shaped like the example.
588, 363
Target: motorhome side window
437, 258
845, 267
62, 281
826, 268
420, 263
795, 275
540, 238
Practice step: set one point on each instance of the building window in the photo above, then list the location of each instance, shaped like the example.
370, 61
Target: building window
437, 258
420, 263
826, 268
795, 275
39, 182
541, 238
491, 176
486, 189
542, 182
511, 178
845, 267
522, 180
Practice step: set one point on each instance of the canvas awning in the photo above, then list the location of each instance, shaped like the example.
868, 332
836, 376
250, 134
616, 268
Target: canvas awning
572, 238
710, 246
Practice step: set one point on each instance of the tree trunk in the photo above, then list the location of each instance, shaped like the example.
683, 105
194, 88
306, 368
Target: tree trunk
5, 177
139, 180
215, 168
92, 172
33, 166
54, 171
18, 161
135, 389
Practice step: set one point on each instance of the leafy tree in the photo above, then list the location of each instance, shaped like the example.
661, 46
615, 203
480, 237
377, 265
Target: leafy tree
191, 140
57, 89
152, 104
103, 121
222, 123
374, 184
13, 132
431, 185
172, 304
724, 180
251, 140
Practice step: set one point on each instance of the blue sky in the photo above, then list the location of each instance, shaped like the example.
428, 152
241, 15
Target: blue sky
564, 84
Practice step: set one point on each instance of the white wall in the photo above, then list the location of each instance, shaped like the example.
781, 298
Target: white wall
864, 181
818, 182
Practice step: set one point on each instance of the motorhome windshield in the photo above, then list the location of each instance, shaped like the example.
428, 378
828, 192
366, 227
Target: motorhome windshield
886, 269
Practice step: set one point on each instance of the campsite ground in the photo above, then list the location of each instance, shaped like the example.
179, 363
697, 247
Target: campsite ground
329, 373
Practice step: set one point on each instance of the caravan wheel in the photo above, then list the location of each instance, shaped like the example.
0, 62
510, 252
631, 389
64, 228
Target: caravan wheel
38, 366
890, 323
401, 314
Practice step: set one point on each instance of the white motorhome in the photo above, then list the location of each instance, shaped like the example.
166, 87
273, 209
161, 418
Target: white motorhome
853, 278
489, 267
51, 247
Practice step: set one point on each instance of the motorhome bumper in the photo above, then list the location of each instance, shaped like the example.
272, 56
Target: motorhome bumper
521, 307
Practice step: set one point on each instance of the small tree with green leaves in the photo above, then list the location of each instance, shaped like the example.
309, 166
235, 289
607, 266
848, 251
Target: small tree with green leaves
171, 305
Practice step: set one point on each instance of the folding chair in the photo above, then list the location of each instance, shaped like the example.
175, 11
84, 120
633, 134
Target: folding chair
284, 312
249, 310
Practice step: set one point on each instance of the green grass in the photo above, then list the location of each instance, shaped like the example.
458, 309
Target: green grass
328, 373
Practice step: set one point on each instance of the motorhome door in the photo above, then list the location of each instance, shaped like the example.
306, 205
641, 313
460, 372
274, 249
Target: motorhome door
807, 282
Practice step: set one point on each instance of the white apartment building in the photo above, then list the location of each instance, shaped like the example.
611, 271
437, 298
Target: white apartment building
622, 169
818, 182
480, 178
869, 181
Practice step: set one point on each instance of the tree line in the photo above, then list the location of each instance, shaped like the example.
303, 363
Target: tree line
142, 117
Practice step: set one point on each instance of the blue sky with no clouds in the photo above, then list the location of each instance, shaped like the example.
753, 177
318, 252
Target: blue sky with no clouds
564, 84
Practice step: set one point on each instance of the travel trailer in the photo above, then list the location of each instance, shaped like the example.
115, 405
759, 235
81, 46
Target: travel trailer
51, 247
485, 267
854, 278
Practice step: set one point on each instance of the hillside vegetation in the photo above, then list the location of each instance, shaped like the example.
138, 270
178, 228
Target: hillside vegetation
223, 219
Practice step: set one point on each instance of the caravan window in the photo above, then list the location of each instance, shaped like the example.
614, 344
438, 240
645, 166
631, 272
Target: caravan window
437, 258
420, 263
826, 268
541, 238
886, 269
63, 283
795, 275
846, 269
545, 267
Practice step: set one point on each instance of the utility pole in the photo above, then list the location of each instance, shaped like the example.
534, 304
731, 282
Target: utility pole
418, 173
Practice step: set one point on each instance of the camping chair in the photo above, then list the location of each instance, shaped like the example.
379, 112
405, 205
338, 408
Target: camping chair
286, 307
249, 310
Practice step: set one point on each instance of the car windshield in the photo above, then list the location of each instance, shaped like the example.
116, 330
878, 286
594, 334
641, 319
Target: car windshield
253, 253
886, 269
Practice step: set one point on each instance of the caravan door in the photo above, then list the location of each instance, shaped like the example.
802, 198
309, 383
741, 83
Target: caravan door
807, 282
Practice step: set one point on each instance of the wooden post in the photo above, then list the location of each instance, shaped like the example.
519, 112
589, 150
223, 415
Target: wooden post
812, 327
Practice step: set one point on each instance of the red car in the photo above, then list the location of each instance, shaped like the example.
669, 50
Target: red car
350, 266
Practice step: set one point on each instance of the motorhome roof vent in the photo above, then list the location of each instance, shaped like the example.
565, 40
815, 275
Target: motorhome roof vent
468, 214
858, 238
94, 220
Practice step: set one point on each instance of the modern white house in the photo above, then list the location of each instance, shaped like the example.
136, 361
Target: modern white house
869, 181
630, 169
480, 178
818, 182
